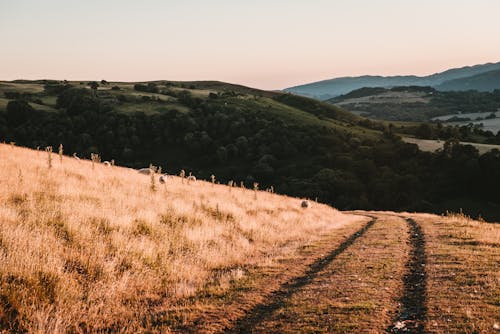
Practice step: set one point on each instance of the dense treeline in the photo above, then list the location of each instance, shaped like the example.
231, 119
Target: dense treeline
467, 133
247, 144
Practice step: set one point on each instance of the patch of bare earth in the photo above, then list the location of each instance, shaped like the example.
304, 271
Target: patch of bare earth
411, 315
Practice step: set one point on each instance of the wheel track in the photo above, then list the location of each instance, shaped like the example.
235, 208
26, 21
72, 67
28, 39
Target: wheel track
287, 289
411, 316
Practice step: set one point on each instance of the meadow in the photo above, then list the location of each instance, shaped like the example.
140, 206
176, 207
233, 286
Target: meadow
91, 248
432, 145
88, 248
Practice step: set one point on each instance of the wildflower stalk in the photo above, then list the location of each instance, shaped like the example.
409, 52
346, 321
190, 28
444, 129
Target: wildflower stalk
95, 158
48, 149
255, 188
60, 152
153, 177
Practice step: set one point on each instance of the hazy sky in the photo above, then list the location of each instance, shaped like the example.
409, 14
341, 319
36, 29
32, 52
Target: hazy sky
267, 44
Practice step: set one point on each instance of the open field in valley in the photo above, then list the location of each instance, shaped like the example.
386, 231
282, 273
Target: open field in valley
431, 145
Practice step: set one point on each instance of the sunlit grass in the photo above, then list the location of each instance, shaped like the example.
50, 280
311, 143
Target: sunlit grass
85, 249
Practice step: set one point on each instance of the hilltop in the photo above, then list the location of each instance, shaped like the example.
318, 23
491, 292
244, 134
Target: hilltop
89, 248
477, 77
299, 146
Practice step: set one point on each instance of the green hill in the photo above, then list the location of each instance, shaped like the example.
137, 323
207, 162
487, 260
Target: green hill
415, 103
299, 146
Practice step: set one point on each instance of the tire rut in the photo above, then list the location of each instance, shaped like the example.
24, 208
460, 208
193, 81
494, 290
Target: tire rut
276, 299
411, 316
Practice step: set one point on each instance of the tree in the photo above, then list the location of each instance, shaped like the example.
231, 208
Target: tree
222, 154
18, 112
94, 85
77, 100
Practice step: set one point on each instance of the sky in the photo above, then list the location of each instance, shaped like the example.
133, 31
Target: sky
270, 44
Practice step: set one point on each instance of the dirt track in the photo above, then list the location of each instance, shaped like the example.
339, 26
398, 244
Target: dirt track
413, 301
277, 299
374, 281
391, 274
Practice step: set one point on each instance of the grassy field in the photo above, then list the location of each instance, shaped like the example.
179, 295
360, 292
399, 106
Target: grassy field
431, 145
389, 97
96, 249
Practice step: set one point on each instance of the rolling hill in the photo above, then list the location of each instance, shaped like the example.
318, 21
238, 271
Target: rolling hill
295, 145
484, 82
92, 248
416, 103
327, 89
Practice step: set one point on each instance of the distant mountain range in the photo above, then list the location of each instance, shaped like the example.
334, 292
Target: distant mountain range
484, 77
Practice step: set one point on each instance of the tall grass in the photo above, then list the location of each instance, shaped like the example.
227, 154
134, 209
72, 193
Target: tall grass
87, 248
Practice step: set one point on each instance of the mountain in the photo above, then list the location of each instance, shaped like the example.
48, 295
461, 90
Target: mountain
271, 140
485, 82
327, 89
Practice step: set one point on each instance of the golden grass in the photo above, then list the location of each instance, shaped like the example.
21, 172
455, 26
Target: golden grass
85, 249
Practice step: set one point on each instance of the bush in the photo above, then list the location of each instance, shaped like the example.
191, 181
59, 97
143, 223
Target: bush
149, 88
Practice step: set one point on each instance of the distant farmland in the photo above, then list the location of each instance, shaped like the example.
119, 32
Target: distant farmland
430, 145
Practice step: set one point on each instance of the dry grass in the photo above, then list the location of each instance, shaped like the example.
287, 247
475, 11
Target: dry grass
389, 97
463, 278
86, 250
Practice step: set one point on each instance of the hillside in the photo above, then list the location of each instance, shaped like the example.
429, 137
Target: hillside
90, 248
327, 89
416, 103
93, 246
483, 82
299, 146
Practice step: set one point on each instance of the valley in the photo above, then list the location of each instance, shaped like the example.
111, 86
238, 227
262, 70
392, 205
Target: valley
156, 176
296, 145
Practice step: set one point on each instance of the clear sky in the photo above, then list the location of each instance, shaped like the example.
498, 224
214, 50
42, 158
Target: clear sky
269, 44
